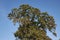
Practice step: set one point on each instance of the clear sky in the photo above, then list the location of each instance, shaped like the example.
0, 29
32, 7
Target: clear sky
6, 26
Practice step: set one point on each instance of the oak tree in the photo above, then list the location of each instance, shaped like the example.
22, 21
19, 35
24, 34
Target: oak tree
33, 23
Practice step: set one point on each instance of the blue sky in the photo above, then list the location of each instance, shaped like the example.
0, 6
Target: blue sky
6, 26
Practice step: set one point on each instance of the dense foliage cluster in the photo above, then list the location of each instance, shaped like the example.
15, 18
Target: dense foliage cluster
32, 23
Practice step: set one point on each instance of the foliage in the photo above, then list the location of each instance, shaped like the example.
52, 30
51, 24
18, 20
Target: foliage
32, 23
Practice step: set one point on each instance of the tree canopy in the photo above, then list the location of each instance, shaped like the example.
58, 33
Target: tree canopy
33, 23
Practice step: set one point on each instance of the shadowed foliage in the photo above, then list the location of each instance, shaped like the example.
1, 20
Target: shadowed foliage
33, 23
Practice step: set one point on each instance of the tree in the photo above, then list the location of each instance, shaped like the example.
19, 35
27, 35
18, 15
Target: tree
33, 23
